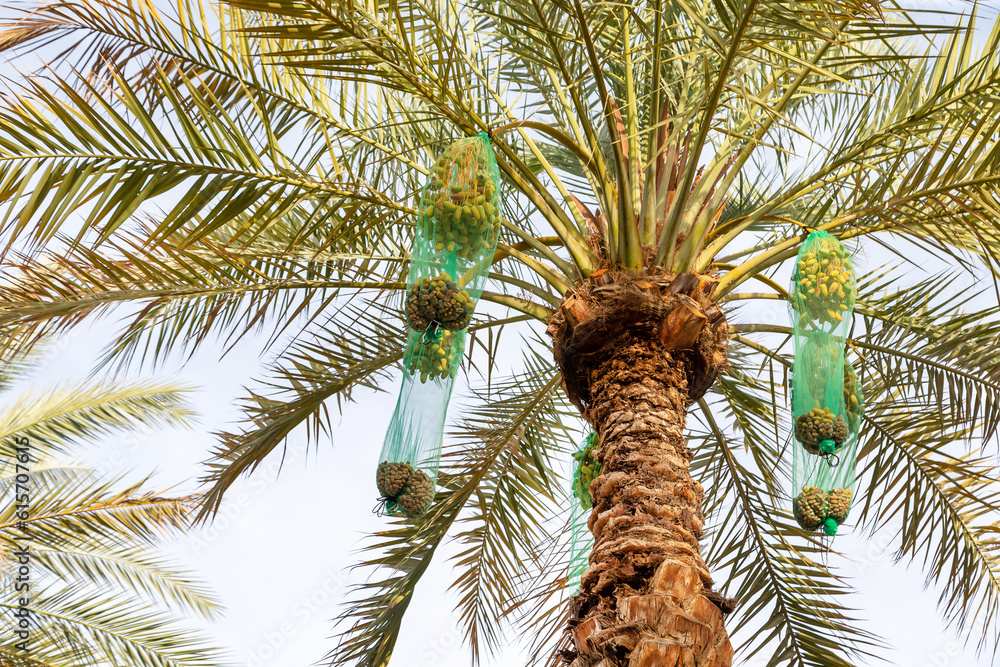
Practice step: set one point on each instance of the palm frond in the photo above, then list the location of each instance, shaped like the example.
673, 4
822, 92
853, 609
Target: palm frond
940, 505
79, 628
54, 420
132, 569
99, 594
788, 599
524, 416
184, 295
92, 162
373, 621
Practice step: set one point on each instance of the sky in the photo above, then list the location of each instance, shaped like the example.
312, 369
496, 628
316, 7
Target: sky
279, 553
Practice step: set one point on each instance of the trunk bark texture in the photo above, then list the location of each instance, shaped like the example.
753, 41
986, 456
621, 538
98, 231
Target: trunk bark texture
642, 601
646, 600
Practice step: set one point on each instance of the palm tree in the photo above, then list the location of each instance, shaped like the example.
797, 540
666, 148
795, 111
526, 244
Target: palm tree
98, 593
254, 166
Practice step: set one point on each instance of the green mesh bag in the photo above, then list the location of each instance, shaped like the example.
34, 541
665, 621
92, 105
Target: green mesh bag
458, 225
580, 546
585, 470
818, 408
823, 287
826, 396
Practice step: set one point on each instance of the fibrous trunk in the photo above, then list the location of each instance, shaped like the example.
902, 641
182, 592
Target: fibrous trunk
634, 355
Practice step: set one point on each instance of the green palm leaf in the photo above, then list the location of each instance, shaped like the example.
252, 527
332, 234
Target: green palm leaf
99, 594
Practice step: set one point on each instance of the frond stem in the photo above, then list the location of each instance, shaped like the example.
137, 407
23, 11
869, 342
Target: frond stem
579, 151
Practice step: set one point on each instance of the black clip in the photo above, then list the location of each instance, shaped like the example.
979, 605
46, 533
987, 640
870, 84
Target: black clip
385, 507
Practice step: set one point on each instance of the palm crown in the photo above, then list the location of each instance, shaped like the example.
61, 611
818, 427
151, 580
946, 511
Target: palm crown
257, 164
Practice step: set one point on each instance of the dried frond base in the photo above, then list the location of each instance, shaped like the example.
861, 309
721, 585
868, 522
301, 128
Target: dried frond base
671, 313
674, 624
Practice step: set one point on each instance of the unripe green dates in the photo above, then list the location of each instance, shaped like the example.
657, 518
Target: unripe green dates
391, 477
587, 470
417, 496
818, 425
808, 508
838, 504
436, 359
460, 211
823, 284
404, 490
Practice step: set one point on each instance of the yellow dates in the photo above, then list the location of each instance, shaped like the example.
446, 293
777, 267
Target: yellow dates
823, 287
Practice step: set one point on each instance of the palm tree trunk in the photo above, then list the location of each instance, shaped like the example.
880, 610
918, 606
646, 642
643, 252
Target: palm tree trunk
646, 600
642, 601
